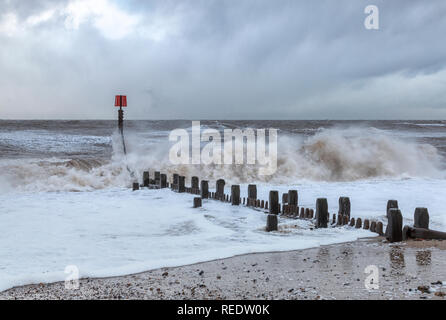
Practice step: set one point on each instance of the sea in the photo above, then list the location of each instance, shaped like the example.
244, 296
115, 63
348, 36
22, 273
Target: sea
66, 197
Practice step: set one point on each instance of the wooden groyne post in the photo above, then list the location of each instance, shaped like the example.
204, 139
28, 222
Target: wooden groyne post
284, 198
379, 228
220, 189
158, 178
366, 224
321, 213
274, 202
163, 181
421, 218
145, 178
197, 202
426, 234
293, 201
391, 204
252, 194
181, 184
175, 181
421, 230
394, 232
271, 222
204, 189
235, 195
344, 206
194, 184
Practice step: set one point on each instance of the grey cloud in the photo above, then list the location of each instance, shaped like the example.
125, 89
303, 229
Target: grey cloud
232, 59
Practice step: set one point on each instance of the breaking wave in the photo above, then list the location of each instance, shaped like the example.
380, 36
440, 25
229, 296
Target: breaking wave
328, 155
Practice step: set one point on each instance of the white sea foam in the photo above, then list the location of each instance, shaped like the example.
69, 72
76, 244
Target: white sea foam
329, 155
116, 231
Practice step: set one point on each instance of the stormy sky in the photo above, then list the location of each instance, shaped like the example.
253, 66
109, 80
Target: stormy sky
222, 59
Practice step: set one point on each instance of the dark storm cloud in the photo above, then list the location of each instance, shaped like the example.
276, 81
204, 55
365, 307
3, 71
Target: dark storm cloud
223, 59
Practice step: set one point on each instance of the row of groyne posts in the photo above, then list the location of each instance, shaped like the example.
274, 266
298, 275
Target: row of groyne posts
289, 208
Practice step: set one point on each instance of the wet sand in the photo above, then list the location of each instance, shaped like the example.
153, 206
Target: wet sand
408, 270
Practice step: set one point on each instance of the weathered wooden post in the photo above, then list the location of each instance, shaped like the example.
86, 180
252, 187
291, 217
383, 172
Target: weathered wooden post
391, 204
379, 228
422, 233
358, 223
333, 221
135, 186
296, 212
292, 200
235, 195
339, 220
406, 233
344, 206
274, 202
352, 222
204, 189
266, 205
252, 193
321, 213
194, 183
366, 224
284, 198
197, 202
421, 218
163, 181
175, 181
271, 222
307, 213
145, 178
395, 225
282, 213
302, 213
293, 197
220, 188
373, 226
181, 184
157, 178
262, 204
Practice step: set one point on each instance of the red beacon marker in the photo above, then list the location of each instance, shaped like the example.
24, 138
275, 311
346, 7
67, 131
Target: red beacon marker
120, 101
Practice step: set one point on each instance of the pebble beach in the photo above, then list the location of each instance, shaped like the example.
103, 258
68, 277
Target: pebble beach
407, 270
